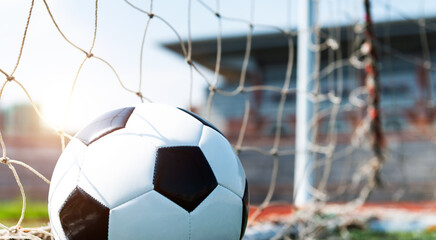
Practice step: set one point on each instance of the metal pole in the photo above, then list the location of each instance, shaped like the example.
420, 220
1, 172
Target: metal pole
303, 176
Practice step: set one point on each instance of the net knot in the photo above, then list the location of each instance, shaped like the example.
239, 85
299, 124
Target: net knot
240, 89
218, 14
10, 78
139, 94
333, 44
89, 55
287, 33
151, 15
212, 88
237, 150
274, 152
189, 61
4, 160
59, 132
14, 229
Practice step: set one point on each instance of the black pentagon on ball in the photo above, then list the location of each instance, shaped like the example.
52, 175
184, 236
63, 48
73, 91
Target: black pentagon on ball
105, 124
183, 175
245, 208
202, 120
84, 218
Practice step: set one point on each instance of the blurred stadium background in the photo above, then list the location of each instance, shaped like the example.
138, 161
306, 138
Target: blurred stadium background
217, 33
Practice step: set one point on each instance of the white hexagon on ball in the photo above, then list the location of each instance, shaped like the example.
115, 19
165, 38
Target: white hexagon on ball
148, 172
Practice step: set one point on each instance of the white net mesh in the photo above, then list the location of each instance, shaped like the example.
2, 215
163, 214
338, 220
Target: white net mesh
248, 64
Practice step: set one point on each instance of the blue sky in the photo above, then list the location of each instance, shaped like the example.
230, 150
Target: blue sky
49, 64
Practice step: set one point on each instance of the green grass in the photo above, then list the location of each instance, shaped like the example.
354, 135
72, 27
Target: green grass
371, 235
36, 213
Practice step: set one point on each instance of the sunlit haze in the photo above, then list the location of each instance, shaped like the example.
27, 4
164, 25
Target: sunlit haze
49, 64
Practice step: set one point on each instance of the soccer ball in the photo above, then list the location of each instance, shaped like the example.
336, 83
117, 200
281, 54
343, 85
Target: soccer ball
148, 172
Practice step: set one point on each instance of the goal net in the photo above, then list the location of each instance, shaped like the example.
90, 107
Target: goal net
366, 134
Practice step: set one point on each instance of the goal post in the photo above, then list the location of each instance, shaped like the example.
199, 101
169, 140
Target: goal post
303, 176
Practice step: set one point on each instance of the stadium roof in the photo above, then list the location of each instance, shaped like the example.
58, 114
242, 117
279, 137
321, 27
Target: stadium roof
272, 48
